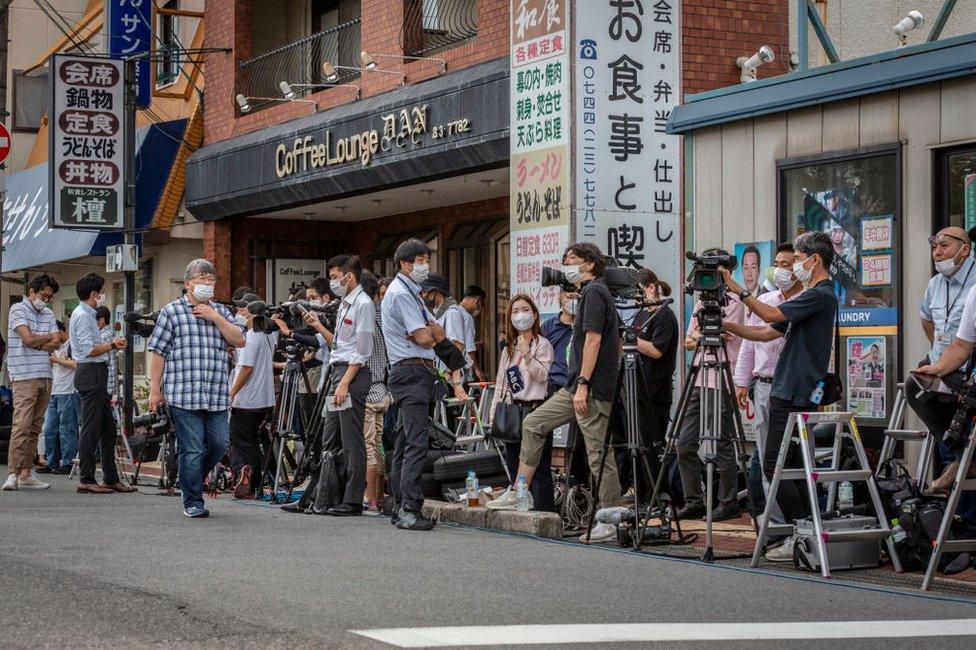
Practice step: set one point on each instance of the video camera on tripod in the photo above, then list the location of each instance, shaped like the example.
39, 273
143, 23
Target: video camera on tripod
707, 281
623, 282
292, 313
142, 324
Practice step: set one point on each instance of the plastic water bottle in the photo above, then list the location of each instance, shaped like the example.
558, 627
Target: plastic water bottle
845, 495
471, 488
817, 395
897, 532
521, 495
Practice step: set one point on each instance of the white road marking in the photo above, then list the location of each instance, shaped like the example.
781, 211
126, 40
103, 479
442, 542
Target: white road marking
432, 637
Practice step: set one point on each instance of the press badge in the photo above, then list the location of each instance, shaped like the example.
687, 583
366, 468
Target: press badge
515, 382
943, 336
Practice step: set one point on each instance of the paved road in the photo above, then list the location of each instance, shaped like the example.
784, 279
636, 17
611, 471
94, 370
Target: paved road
130, 570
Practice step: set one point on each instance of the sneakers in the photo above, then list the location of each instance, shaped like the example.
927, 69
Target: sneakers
508, 500
10, 485
31, 483
196, 512
601, 533
781, 553
724, 512
407, 520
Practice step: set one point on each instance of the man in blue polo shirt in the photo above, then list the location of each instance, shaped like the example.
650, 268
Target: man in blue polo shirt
558, 330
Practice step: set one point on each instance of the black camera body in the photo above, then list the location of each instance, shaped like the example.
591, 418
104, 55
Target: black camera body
142, 324
159, 422
705, 276
556, 278
960, 427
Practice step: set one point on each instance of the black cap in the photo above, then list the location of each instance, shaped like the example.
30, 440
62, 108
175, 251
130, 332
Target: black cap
247, 298
436, 282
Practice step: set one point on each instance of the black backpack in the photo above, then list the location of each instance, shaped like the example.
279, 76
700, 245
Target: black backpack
895, 486
330, 485
921, 518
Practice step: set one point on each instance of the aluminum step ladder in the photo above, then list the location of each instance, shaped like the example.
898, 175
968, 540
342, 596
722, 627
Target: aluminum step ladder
894, 433
798, 431
941, 543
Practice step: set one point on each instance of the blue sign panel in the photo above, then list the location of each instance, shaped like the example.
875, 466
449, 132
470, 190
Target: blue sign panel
130, 34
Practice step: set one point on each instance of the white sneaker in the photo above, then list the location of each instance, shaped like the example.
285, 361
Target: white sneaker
601, 533
508, 501
782, 553
32, 483
10, 485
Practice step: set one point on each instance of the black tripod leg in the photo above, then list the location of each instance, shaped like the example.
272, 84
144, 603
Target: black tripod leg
739, 441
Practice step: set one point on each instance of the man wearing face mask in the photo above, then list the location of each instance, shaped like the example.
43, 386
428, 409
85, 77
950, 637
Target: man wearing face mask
558, 330
410, 332
472, 302
188, 370
453, 318
757, 360
807, 322
97, 428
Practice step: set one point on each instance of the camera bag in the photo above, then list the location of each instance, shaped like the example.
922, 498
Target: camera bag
331, 484
921, 518
895, 486
841, 556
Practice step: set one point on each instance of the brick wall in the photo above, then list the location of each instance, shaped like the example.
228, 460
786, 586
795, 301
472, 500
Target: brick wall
715, 32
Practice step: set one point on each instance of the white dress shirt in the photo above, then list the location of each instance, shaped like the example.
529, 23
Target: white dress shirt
355, 324
757, 358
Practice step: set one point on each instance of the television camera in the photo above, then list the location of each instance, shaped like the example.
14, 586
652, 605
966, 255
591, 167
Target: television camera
707, 280
292, 313
142, 324
623, 282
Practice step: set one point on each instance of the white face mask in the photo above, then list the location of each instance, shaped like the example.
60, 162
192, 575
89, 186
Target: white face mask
338, 288
420, 272
571, 306
802, 274
783, 278
947, 267
203, 292
318, 301
523, 320
572, 273
100, 300
39, 304
241, 320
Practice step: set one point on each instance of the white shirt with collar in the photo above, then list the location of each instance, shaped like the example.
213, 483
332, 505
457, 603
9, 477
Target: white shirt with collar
403, 313
355, 324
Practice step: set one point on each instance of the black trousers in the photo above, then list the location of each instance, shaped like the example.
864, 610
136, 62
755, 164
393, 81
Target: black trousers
791, 496
654, 420
97, 428
935, 411
246, 445
412, 388
543, 488
348, 425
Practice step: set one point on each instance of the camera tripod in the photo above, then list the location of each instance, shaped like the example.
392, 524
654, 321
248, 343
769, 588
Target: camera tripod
710, 362
630, 384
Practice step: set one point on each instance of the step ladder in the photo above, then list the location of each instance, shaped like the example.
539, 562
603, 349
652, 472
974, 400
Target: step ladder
798, 431
941, 543
894, 433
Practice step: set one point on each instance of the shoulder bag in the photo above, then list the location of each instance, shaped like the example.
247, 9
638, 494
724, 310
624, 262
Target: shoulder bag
833, 387
506, 424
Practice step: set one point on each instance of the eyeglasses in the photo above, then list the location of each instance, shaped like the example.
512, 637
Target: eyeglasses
939, 240
208, 279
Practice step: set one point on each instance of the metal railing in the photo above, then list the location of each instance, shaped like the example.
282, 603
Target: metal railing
301, 63
432, 24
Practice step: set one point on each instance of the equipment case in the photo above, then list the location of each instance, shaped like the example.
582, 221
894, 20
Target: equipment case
841, 556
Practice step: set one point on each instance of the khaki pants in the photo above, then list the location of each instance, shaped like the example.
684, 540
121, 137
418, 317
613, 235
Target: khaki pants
557, 411
30, 402
373, 432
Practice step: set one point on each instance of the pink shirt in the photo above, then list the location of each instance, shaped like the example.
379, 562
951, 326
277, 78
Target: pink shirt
758, 359
733, 312
535, 373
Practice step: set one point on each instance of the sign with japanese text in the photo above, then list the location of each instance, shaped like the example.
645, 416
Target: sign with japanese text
875, 270
628, 170
540, 139
876, 233
130, 34
86, 158
969, 195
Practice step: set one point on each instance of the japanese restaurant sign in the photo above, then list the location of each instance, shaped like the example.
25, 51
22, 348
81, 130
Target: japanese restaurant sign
540, 144
86, 140
628, 170
130, 35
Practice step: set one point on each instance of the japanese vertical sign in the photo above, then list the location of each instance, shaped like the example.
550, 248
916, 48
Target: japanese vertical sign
130, 34
87, 159
628, 170
541, 133
969, 195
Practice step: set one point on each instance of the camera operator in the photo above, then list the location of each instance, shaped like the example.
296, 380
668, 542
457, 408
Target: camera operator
756, 364
689, 443
252, 397
349, 376
410, 333
452, 317
807, 320
97, 425
188, 369
588, 396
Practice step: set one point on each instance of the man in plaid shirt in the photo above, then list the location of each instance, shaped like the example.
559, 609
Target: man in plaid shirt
188, 371
103, 317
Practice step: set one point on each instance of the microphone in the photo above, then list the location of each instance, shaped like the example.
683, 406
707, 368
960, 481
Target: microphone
257, 307
616, 515
135, 317
689, 255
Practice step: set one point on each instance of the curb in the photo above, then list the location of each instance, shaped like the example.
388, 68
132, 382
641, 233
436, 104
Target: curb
548, 525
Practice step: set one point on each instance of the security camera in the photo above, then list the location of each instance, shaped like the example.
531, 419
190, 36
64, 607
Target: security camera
750, 65
909, 23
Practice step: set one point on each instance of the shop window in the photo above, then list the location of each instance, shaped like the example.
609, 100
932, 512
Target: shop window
167, 47
955, 190
856, 198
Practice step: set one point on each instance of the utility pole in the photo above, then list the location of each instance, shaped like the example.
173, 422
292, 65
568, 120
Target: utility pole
129, 227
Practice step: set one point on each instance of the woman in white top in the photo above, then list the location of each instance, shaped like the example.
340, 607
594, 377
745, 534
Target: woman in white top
523, 378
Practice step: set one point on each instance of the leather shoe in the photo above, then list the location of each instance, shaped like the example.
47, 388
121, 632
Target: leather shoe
724, 512
93, 488
407, 520
692, 511
121, 487
345, 510
294, 506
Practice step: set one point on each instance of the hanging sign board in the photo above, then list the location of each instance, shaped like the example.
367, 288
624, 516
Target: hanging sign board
86, 162
130, 34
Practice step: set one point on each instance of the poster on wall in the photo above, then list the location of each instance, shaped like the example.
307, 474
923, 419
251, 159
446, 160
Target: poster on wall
754, 258
876, 233
866, 376
876, 271
283, 276
539, 144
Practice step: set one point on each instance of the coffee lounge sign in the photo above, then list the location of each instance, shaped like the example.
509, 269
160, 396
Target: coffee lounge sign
400, 131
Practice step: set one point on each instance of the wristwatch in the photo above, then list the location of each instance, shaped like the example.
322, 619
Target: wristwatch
745, 293
113, 345
583, 381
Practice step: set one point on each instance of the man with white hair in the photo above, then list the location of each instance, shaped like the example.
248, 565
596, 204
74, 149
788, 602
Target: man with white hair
188, 371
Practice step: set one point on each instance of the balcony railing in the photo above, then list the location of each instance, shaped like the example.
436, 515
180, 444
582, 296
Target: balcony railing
432, 24
301, 63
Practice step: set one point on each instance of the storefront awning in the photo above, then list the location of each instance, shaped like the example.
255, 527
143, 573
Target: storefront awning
902, 68
29, 242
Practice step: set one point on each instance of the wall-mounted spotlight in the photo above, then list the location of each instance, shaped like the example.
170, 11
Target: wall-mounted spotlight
750, 65
331, 73
288, 90
244, 103
368, 60
909, 23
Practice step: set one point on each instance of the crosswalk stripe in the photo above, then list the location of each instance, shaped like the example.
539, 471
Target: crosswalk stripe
479, 635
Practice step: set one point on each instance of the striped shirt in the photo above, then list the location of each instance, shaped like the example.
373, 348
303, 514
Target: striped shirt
106, 334
377, 365
24, 362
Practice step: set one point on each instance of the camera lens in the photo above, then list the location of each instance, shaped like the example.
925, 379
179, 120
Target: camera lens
708, 280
